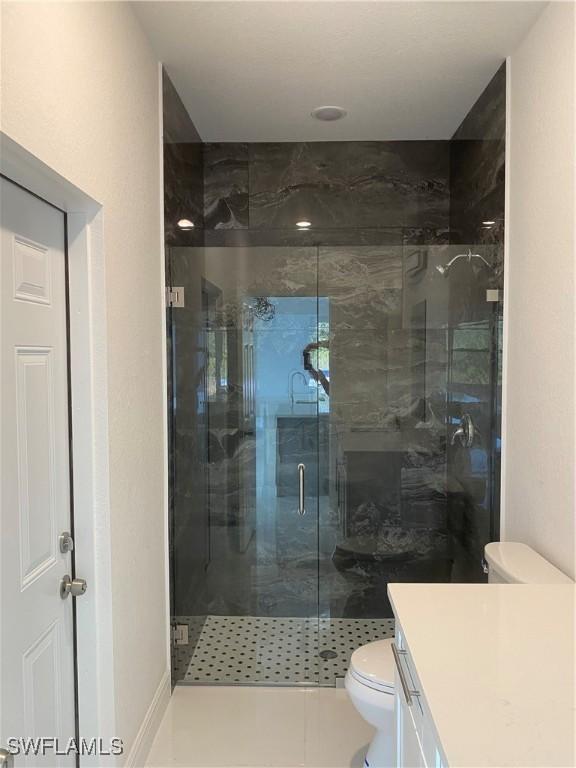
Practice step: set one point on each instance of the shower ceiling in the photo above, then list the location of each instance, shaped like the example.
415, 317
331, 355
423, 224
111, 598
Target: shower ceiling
254, 71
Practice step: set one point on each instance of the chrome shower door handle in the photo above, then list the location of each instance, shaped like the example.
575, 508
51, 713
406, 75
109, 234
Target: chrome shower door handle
301, 489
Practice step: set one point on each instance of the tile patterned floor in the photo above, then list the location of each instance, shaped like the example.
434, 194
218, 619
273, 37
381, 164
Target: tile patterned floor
250, 650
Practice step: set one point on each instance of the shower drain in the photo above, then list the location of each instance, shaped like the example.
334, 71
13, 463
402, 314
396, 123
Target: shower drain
327, 654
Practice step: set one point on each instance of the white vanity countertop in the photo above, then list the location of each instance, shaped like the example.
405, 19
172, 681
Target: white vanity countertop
496, 667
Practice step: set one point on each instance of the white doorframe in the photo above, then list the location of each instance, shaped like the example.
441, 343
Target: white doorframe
90, 434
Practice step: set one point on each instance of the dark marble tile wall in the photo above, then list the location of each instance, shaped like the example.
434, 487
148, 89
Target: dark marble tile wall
226, 186
477, 155
477, 160
399, 185
184, 199
183, 170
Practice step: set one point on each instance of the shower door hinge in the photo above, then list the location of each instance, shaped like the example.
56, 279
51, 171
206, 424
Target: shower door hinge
180, 634
175, 296
493, 294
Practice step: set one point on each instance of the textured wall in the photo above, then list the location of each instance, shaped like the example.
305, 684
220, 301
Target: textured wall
80, 91
539, 397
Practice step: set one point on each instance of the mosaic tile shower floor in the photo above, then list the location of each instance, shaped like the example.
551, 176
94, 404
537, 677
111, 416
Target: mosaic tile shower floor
250, 650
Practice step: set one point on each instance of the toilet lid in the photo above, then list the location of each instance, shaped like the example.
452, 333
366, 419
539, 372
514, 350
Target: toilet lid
374, 663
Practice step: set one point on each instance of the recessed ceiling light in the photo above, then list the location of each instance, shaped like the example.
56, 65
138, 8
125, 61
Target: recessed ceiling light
328, 114
488, 223
186, 224
304, 224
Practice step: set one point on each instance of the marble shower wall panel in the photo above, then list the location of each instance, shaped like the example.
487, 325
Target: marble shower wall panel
242, 274
305, 238
363, 284
364, 287
184, 199
474, 384
401, 186
226, 176
190, 434
350, 184
183, 170
477, 156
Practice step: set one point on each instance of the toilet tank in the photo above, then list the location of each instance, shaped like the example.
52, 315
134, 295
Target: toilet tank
510, 562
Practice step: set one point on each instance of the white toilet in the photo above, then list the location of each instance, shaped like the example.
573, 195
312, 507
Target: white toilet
370, 685
370, 677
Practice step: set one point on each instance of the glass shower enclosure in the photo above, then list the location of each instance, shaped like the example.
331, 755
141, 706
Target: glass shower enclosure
334, 427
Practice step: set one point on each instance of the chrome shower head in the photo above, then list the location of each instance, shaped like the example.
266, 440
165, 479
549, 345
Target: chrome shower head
444, 269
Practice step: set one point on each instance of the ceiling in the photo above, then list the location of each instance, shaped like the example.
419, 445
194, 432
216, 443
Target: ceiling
253, 71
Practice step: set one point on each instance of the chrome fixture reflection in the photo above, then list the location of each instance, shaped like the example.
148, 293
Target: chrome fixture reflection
444, 269
465, 432
293, 400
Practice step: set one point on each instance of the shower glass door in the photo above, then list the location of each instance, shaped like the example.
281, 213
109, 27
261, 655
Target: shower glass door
247, 397
414, 355
335, 428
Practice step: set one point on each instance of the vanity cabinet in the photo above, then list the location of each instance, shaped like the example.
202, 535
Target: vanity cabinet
416, 742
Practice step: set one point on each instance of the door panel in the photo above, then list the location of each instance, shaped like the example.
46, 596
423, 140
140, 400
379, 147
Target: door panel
37, 690
245, 415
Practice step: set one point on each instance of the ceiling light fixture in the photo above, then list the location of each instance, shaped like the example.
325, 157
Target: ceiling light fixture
303, 224
488, 223
328, 113
186, 224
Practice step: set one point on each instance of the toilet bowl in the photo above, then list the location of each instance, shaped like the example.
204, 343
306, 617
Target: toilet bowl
370, 685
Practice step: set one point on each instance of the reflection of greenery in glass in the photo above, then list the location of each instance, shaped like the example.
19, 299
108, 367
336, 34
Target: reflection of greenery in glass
471, 355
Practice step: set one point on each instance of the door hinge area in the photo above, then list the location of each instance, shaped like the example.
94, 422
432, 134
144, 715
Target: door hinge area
175, 296
180, 634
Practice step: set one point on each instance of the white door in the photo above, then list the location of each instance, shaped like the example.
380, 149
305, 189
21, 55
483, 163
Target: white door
37, 654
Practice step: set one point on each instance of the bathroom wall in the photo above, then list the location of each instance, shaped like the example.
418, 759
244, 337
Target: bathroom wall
539, 439
399, 186
80, 92
477, 162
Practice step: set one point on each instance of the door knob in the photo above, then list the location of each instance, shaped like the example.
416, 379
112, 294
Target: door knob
74, 587
6, 758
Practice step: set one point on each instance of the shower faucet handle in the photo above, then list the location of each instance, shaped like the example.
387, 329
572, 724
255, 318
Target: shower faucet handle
465, 432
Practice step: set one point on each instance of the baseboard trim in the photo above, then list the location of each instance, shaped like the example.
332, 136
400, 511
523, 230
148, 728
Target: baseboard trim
143, 741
